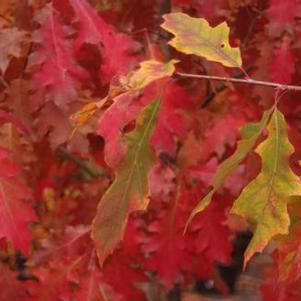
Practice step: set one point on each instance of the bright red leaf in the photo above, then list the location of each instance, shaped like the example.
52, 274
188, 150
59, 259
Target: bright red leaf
15, 210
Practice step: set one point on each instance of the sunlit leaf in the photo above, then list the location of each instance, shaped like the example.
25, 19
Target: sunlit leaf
130, 188
264, 201
150, 71
196, 36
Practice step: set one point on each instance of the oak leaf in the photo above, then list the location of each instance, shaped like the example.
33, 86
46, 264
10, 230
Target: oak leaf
263, 202
117, 48
196, 36
135, 81
282, 65
170, 254
10, 45
130, 187
15, 212
58, 77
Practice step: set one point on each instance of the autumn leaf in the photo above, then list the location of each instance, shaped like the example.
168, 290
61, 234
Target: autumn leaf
150, 71
15, 212
117, 47
263, 202
58, 77
130, 187
250, 134
282, 15
66, 63
170, 254
282, 65
196, 36
10, 45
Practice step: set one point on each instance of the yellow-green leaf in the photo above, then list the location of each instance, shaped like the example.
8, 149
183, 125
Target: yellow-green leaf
129, 191
150, 71
263, 202
196, 36
249, 134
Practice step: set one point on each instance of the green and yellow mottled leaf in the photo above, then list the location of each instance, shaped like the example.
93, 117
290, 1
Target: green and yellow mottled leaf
150, 71
129, 191
196, 36
249, 134
263, 202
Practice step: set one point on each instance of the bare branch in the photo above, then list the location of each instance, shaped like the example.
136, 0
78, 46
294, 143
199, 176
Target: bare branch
249, 81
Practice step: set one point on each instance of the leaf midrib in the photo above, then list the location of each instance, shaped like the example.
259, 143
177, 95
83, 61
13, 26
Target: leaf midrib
136, 154
139, 148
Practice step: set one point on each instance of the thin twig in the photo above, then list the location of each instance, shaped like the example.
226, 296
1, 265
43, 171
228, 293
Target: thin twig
242, 81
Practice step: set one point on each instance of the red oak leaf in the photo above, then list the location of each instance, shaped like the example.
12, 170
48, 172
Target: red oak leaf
165, 247
282, 15
209, 229
224, 132
117, 47
58, 77
126, 280
128, 259
171, 255
15, 212
205, 234
10, 45
283, 11
282, 66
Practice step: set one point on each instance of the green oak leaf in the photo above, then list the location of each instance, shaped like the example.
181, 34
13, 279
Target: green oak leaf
196, 36
263, 202
129, 191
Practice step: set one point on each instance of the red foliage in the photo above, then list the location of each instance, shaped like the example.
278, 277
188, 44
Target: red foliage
55, 57
15, 211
